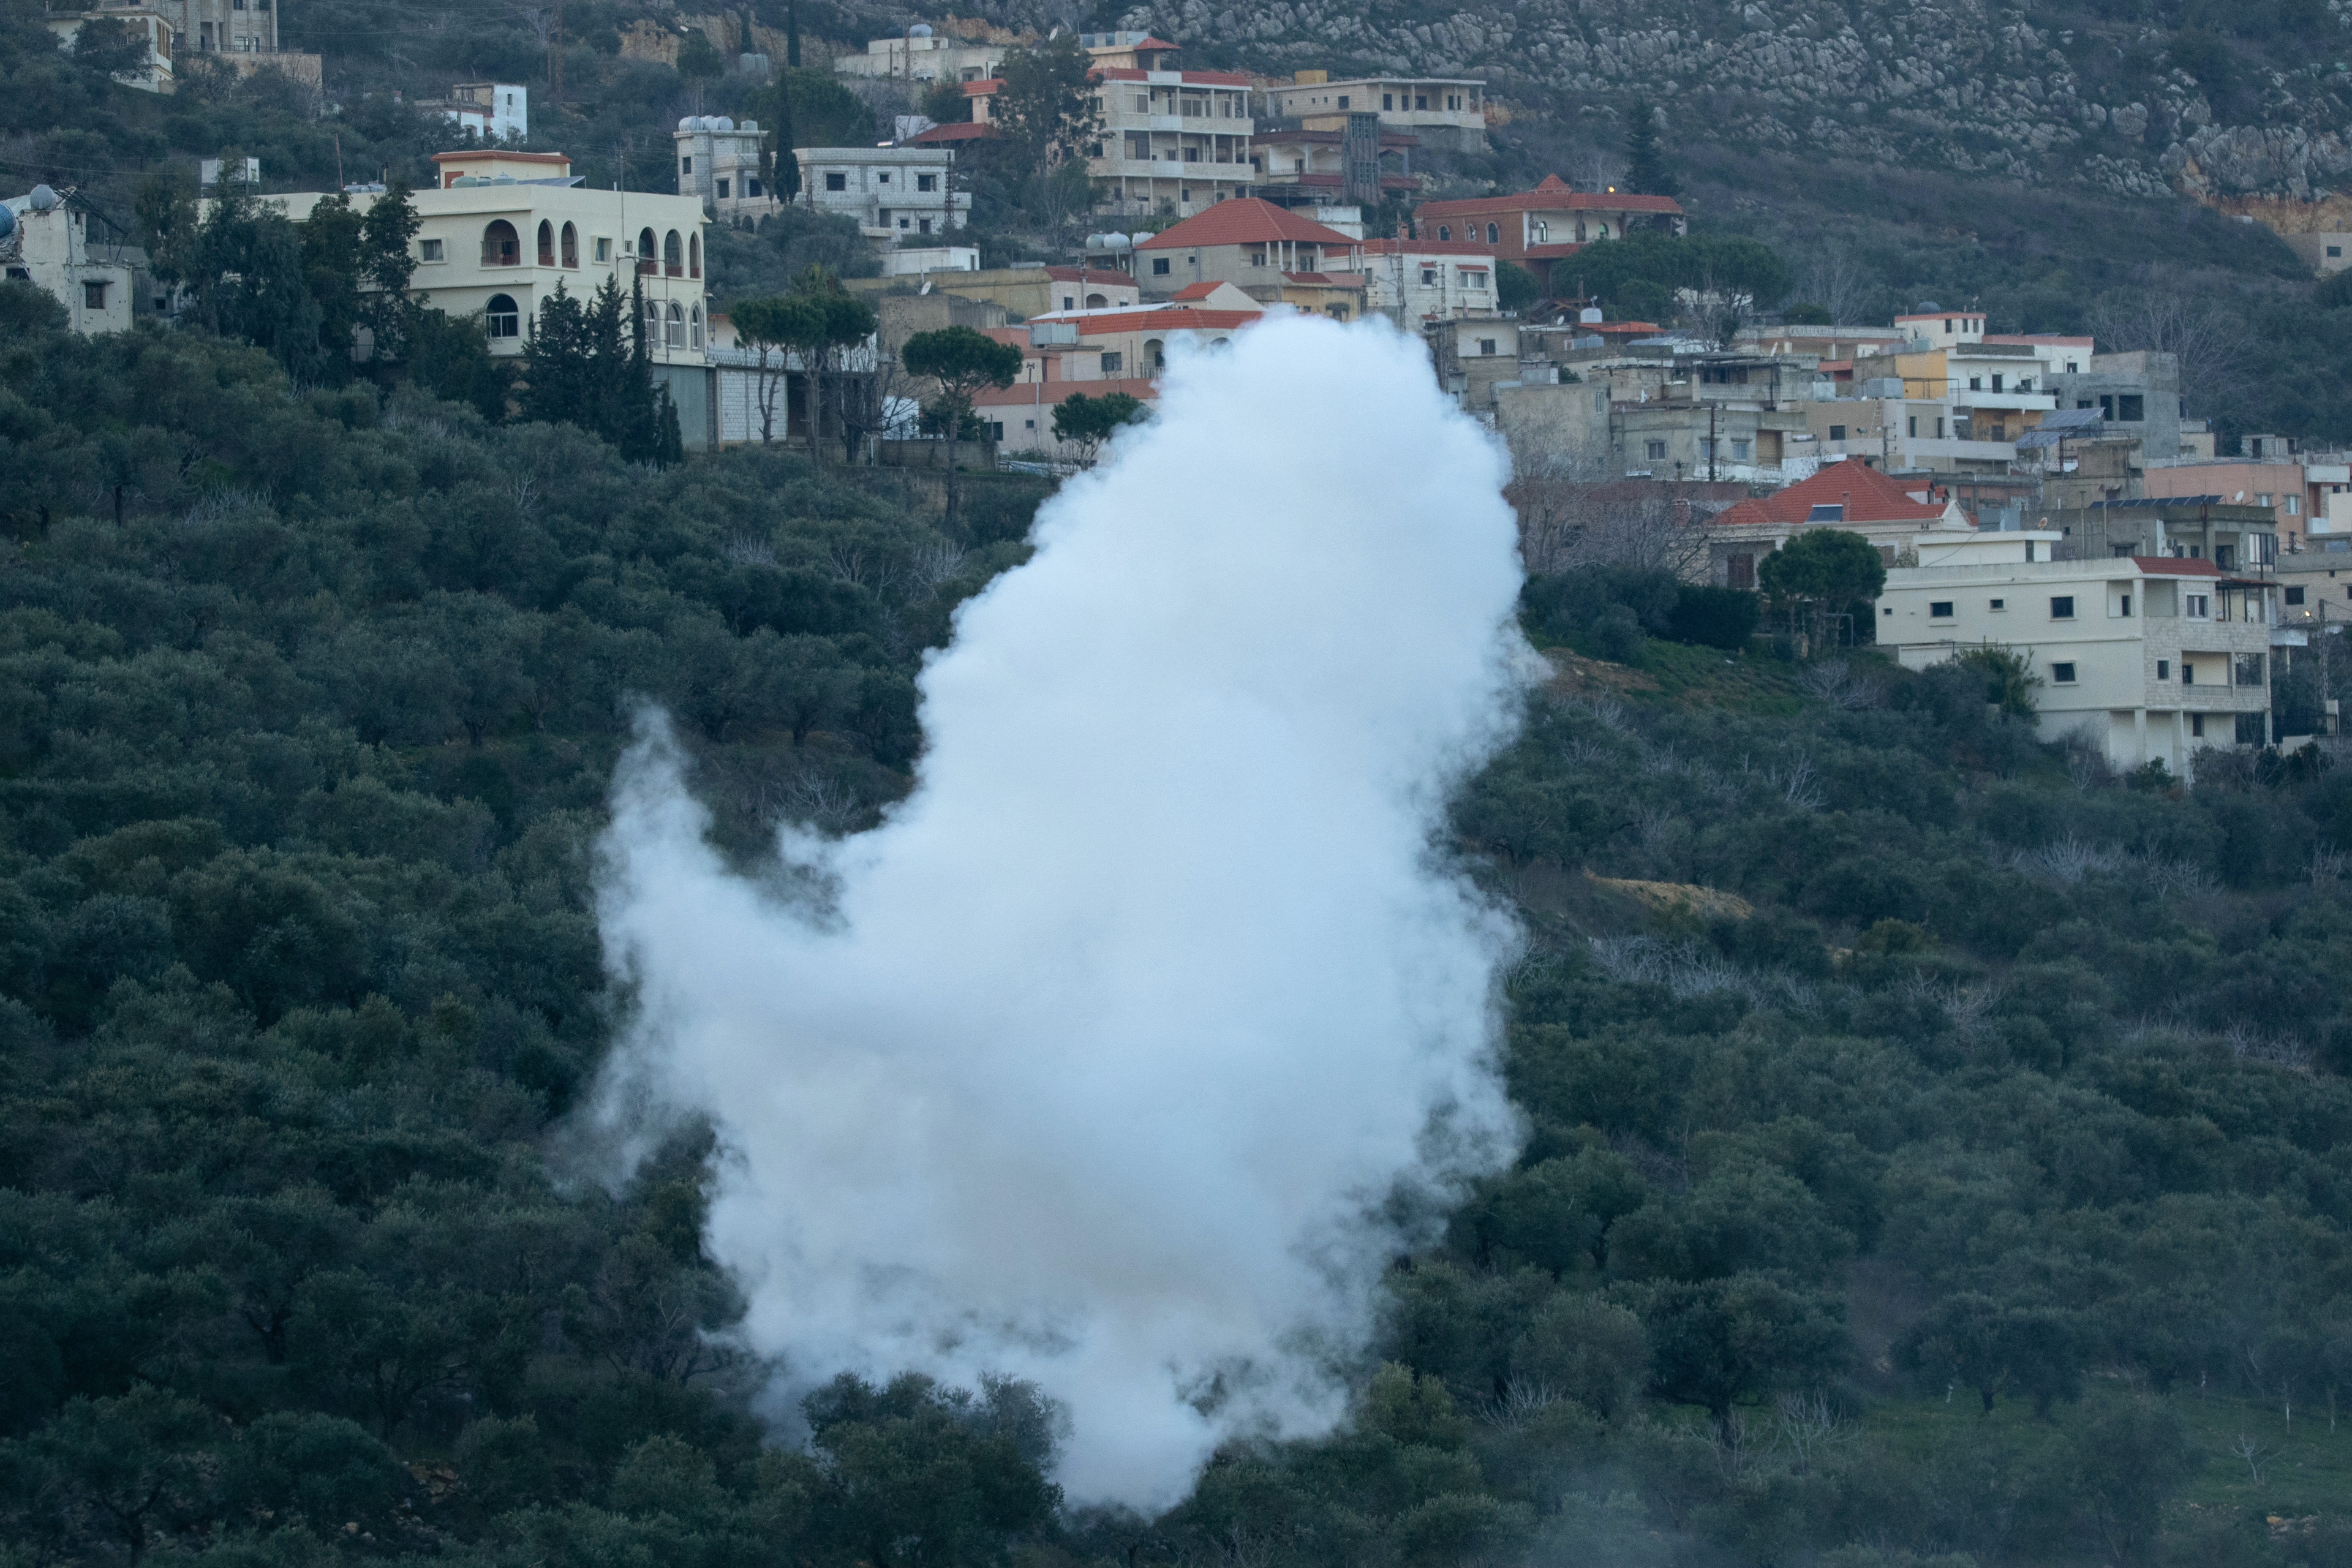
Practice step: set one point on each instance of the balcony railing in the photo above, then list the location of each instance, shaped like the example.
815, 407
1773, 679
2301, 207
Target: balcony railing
495, 254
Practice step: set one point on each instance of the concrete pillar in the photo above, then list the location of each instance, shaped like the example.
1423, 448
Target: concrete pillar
2139, 735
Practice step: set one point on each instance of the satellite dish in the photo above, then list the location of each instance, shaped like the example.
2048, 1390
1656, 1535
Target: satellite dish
926, 288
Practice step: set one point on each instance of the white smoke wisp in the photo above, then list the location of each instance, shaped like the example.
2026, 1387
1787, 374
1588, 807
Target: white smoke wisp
1115, 1054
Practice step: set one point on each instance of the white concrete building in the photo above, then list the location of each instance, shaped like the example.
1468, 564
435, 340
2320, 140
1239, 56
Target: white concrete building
46, 243
2153, 656
1415, 280
920, 55
719, 164
894, 193
493, 111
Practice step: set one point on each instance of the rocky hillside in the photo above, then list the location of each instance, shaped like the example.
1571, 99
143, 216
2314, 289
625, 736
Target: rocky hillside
2123, 98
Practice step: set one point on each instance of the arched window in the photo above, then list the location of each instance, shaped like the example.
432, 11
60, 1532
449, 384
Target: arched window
674, 256
1155, 354
571, 246
502, 317
1444, 231
694, 325
1096, 301
1494, 234
653, 324
646, 260
546, 243
501, 246
677, 338
694, 256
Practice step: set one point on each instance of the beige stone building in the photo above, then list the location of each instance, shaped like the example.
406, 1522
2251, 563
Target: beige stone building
45, 241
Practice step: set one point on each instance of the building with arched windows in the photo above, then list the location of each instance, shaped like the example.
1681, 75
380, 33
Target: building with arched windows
502, 230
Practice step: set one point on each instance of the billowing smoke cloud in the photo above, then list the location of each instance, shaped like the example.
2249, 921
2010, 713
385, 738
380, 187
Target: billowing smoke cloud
1120, 1056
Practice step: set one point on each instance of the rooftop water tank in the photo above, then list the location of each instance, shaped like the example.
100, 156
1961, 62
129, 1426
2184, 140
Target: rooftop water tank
687, 124
42, 199
749, 126
919, 30
7, 223
1590, 314
722, 123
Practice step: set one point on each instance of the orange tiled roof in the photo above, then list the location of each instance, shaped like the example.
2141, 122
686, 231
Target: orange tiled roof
1245, 220
1867, 495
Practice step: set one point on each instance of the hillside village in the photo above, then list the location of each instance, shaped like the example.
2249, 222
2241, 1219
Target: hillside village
1998, 475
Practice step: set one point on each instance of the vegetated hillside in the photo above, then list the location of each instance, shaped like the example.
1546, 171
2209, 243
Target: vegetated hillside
1973, 1178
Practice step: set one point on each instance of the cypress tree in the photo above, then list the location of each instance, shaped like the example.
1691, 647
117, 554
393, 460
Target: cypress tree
1646, 162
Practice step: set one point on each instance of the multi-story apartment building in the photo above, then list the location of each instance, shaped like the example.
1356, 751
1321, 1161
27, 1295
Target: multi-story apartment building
1448, 112
239, 33
503, 230
2154, 657
1251, 244
493, 111
1174, 141
894, 193
153, 26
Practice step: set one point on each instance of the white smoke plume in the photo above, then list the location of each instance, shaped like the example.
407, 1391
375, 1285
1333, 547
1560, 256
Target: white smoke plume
1118, 1056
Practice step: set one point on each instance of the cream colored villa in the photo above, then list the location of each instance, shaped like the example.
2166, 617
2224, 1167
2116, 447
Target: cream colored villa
504, 229
2155, 655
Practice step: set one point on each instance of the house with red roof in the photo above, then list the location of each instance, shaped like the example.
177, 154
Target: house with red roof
1272, 254
1549, 223
1895, 514
1020, 419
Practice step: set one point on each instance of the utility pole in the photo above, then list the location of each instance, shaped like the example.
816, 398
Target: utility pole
1711, 409
555, 58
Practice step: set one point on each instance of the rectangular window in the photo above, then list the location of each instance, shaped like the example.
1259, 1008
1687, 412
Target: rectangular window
1998, 605
686, 165
1940, 429
1159, 267
2125, 609
1975, 383
2196, 725
93, 296
1654, 450
2131, 409
923, 226
836, 182
1739, 450
2062, 675
603, 249
1111, 363
2294, 506
2188, 673
430, 249
1837, 432
2164, 670
2222, 556
996, 429
722, 190
1939, 609
2335, 251
1915, 424
882, 178
1191, 154
2249, 670
1995, 384
2295, 595
1428, 273
1387, 100
927, 182
2061, 607
1343, 101
2107, 406
2262, 498
1485, 345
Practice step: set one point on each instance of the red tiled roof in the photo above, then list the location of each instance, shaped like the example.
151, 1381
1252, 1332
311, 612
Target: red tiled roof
1190, 79
1620, 329
1195, 291
962, 132
1427, 247
1047, 395
1328, 280
1147, 318
1552, 195
1149, 43
1244, 220
2174, 566
1867, 495
988, 88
